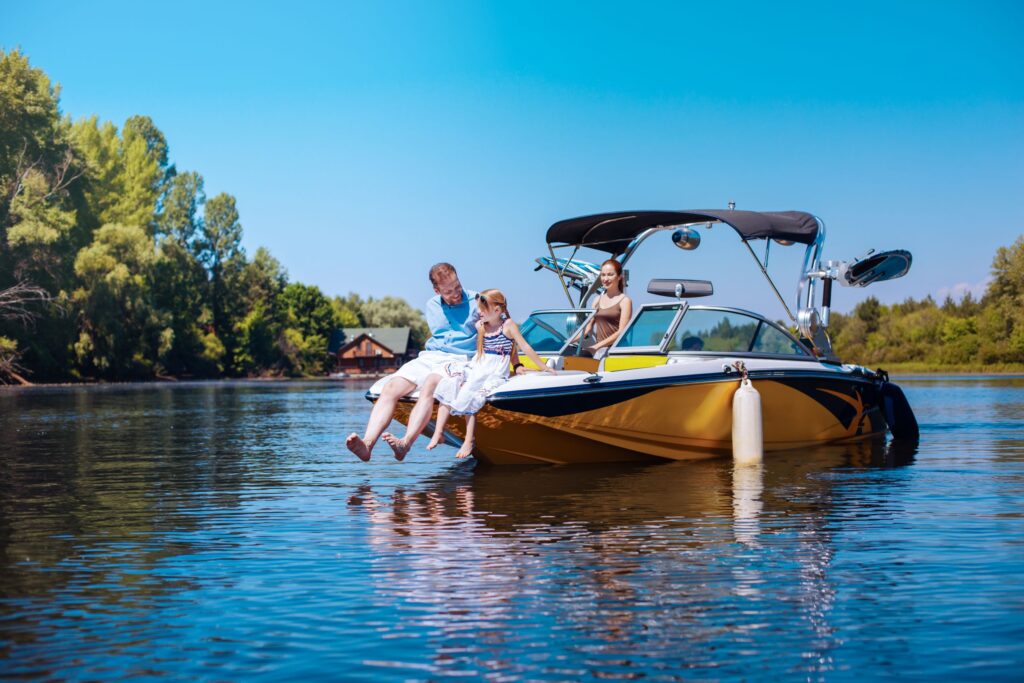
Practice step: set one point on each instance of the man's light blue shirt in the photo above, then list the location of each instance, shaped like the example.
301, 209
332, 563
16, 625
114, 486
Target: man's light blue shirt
452, 328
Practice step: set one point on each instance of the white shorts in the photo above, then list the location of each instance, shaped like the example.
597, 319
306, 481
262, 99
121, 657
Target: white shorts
418, 369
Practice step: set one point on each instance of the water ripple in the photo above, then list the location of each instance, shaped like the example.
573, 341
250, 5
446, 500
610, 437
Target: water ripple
220, 531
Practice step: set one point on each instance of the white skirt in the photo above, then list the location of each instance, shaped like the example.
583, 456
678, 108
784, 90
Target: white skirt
465, 388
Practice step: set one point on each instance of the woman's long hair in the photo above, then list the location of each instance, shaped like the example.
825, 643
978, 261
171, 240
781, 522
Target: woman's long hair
617, 267
490, 298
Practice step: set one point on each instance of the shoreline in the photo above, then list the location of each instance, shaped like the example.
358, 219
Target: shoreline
894, 370
197, 380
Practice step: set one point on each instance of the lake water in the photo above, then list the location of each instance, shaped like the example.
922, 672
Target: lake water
221, 532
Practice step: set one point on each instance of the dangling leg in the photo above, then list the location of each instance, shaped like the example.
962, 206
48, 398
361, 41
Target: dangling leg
442, 419
469, 442
418, 418
381, 414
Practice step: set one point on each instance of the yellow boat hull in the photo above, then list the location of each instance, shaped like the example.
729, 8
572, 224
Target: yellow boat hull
685, 421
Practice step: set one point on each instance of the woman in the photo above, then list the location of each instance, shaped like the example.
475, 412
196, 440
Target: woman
614, 309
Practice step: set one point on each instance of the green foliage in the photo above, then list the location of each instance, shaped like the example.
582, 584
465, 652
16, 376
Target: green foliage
180, 219
345, 313
218, 247
9, 357
310, 321
37, 167
119, 328
261, 316
32, 134
179, 289
391, 311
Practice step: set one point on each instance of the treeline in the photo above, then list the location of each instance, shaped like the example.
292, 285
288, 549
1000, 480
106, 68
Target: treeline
965, 334
115, 265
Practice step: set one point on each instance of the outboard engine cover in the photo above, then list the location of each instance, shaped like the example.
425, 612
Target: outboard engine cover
898, 414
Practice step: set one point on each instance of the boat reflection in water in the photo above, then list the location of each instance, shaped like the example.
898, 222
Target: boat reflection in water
633, 569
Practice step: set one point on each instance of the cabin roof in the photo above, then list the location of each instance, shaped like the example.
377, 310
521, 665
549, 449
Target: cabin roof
396, 339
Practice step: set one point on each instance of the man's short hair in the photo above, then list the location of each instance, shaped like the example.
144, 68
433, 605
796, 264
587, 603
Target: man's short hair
439, 269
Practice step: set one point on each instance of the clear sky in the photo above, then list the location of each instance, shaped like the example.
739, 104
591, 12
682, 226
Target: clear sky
365, 141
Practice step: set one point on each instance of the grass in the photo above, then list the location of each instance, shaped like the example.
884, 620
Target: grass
919, 367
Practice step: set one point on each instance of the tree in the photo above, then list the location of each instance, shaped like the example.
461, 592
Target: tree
98, 147
38, 173
311, 320
344, 314
1007, 285
120, 334
179, 291
263, 279
156, 144
17, 304
179, 219
180, 280
141, 176
391, 311
219, 249
32, 133
258, 333
1005, 294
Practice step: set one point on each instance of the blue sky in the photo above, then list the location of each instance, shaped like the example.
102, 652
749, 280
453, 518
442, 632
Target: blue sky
366, 141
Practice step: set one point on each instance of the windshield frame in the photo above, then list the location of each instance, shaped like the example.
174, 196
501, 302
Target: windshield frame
684, 307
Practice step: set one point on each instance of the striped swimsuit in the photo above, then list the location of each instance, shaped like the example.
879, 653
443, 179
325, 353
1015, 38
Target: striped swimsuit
498, 344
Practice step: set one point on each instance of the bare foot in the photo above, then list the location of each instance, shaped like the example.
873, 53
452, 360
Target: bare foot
356, 444
465, 451
397, 445
434, 440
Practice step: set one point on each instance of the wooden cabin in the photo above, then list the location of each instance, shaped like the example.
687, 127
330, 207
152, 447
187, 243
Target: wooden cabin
370, 350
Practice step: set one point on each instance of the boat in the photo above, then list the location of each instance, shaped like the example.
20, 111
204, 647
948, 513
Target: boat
664, 390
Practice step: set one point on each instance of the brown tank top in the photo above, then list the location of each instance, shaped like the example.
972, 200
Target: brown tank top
606, 321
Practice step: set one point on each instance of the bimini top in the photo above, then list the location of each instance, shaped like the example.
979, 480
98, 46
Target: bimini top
612, 232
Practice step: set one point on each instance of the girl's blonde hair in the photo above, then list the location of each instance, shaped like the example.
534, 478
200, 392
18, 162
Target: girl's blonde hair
490, 298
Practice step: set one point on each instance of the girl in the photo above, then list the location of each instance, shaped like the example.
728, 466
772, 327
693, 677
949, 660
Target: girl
464, 390
614, 308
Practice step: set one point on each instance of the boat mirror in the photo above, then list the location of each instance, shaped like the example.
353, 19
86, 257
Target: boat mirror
874, 266
680, 289
687, 239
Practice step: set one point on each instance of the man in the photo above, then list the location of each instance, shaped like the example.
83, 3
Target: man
451, 317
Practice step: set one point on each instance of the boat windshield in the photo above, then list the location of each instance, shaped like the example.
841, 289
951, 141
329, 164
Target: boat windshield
650, 326
548, 331
724, 331
659, 329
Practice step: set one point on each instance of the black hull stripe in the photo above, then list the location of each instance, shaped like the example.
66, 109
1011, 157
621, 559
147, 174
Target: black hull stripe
582, 399
651, 383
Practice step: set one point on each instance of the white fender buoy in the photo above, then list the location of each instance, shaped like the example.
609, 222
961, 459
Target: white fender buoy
747, 433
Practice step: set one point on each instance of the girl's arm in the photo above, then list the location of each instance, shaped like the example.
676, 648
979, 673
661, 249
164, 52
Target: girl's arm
512, 330
626, 306
514, 361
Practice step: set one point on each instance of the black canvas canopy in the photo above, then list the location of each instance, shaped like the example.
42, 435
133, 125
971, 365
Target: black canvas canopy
612, 232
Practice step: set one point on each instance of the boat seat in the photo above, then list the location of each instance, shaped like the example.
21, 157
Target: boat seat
680, 289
